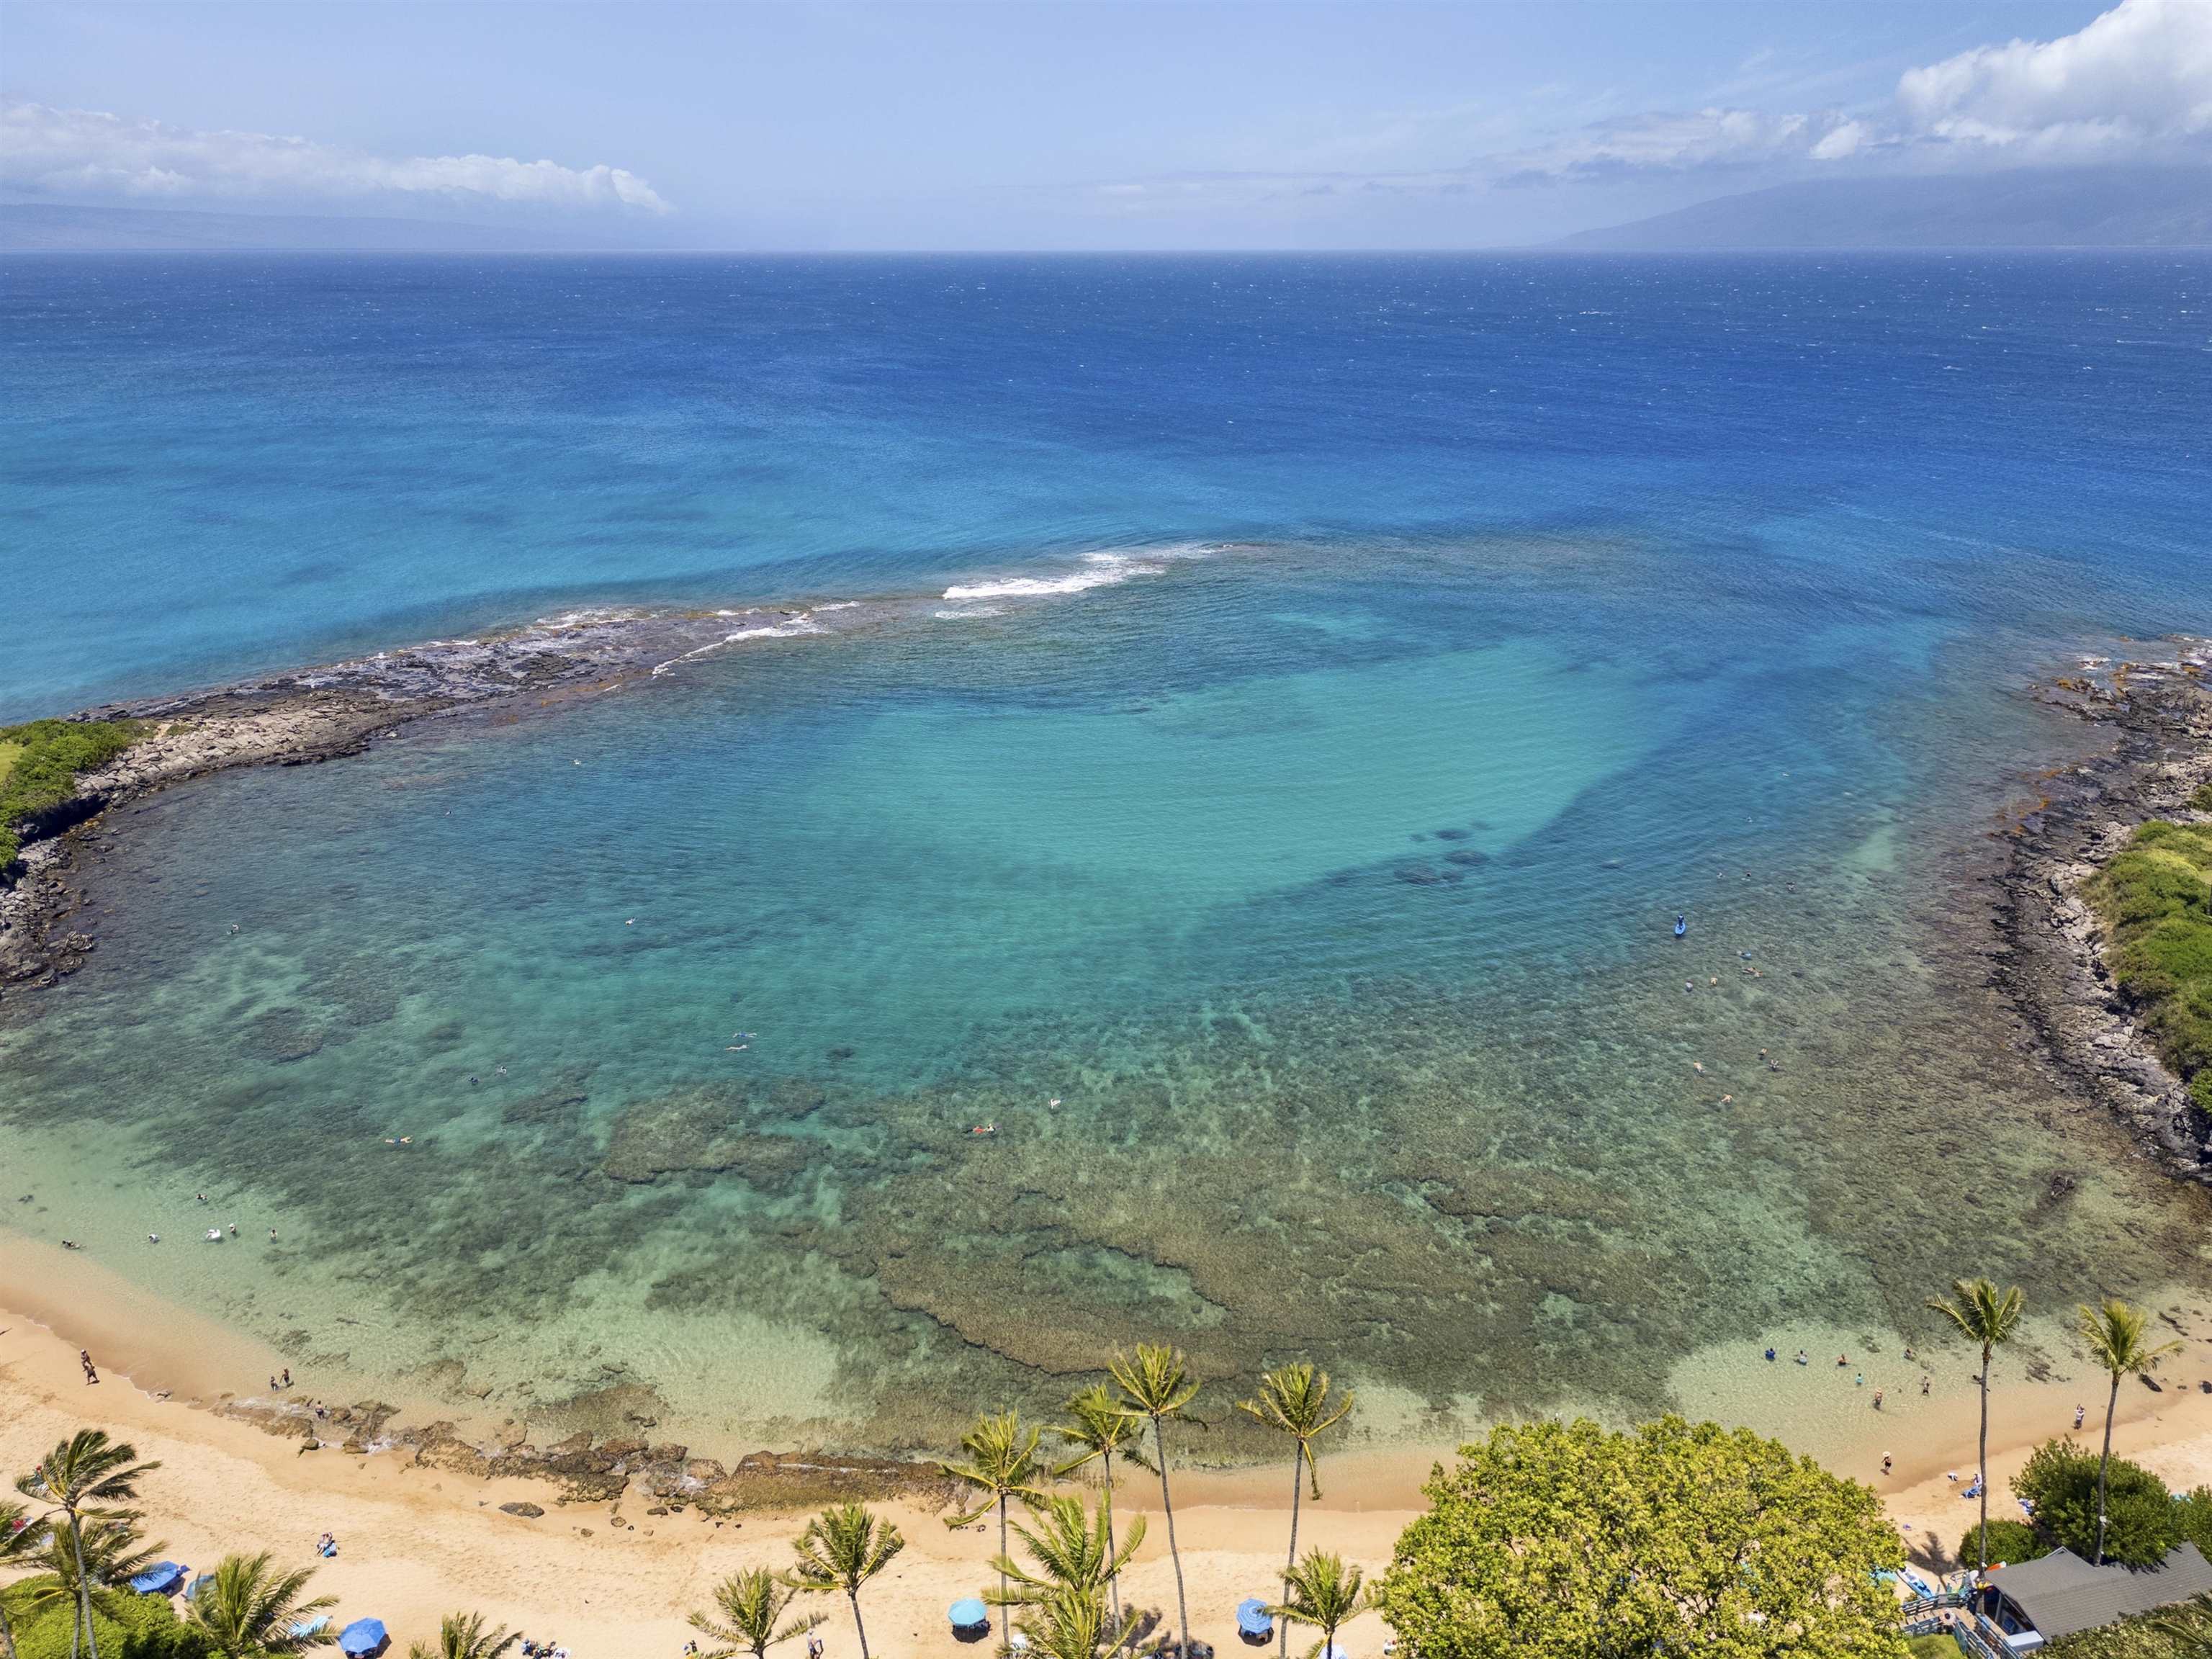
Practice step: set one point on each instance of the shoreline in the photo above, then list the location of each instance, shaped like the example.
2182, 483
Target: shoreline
616, 1572
2050, 963
305, 716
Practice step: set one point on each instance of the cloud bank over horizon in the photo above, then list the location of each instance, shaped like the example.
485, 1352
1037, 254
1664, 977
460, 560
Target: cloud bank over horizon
77, 153
2135, 84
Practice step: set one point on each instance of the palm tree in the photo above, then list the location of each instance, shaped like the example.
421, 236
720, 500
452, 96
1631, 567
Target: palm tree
1324, 1593
1071, 1550
1155, 1385
1294, 1398
843, 1549
2117, 1338
85, 1475
1073, 1623
20, 1542
1101, 1431
111, 1550
2188, 1628
248, 1608
1988, 1315
752, 1604
1002, 1463
463, 1635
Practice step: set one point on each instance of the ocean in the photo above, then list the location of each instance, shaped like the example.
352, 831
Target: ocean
1319, 685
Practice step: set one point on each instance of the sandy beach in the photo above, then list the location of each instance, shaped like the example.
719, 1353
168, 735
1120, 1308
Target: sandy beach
606, 1580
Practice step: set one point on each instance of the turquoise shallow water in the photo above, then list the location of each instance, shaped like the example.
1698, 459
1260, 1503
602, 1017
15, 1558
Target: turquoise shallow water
1322, 877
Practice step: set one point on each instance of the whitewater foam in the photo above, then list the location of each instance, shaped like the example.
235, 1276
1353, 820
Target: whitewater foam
1099, 570
790, 627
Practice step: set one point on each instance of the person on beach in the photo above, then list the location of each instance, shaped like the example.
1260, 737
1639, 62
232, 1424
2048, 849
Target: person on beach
2078, 1415
288, 1377
813, 1647
84, 1358
1877, 1399
1801, 1358
1885, 1462
1924, 1387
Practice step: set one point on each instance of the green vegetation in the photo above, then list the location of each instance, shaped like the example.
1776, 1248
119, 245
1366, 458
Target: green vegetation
2118, 1339
2155, 900
1931, 1647
2009, 1541
2180, 1632
2060, 1479
1558, 1541
39, 763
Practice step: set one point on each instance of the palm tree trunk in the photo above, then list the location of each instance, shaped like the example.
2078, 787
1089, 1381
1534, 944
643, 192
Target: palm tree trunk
1167, 1508
1297, 1491
1981, 1467
1005, 1642
7, 1635
854, 1596
84, 1587
2104, 1463
1114, 1578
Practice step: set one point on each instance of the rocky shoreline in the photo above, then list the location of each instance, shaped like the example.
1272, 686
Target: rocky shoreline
321, 714
2051, 961
586, 1470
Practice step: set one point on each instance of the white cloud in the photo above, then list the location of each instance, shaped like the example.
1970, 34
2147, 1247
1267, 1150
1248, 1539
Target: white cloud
2138, 77
47, 151
2134, 82
1669, 143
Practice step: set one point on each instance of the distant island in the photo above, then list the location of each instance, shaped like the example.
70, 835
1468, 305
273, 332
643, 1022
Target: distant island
2057, 207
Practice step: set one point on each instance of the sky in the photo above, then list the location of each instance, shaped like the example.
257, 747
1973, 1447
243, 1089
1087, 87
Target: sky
1069, 124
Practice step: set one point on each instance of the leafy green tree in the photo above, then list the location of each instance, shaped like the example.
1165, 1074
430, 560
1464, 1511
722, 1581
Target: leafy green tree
2118, 1339
88, 1475
2192, 1514
1071, 1550
2060, 1478
843, 1549
1324, 1594
247, 1608
749, 1615
2008, 1542
1100, 1430
1156, 1384
1563, 1541
1293, 1400
1988, 1315
463, 1635
1002, 1464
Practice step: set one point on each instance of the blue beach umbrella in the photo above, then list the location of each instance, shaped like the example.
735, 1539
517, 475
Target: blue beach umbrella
968, 1612
361, 1637
1253, 1618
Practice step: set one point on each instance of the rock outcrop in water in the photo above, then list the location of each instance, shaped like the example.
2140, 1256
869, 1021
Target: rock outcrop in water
588, 1469
313, 715
2053, 966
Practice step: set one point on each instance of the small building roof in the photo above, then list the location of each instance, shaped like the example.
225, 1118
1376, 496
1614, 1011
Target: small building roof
2062, 1594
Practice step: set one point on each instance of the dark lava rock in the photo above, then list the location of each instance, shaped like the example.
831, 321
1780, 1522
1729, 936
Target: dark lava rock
527, 1511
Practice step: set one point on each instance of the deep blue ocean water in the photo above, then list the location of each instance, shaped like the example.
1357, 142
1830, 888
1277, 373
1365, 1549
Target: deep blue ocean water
1345, 670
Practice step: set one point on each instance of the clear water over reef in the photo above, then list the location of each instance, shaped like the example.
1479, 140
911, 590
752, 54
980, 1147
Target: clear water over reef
1346, 672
